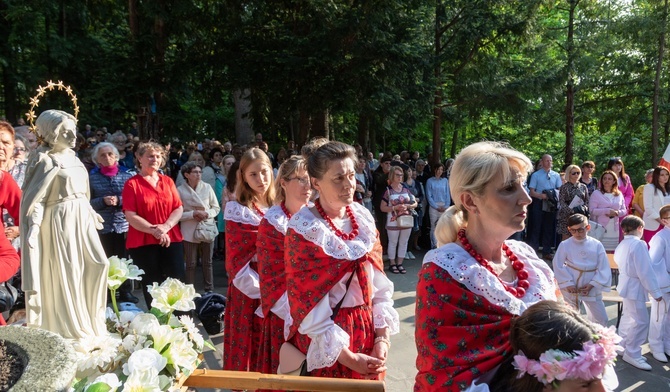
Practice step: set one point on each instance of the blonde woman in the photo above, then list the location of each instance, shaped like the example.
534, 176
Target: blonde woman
573, 197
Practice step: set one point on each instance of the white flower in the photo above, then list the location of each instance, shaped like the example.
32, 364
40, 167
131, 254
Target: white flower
96, 351
180, 351
121, 270
173, 295
144, 359
142, 381
132, 343
126, 316
193, 332
110, 379
143, 323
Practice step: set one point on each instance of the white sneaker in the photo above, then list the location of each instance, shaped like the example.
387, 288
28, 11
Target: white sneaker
639, 363
660, 357
410, 256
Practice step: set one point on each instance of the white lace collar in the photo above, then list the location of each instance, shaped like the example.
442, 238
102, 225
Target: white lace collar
236, 212
315, 231
277, 218
465, 269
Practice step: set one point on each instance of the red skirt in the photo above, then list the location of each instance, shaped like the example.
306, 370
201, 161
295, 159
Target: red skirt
272, 337
242, 331
357, 322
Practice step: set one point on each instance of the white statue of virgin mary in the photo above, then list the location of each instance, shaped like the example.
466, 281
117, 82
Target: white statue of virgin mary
64, 267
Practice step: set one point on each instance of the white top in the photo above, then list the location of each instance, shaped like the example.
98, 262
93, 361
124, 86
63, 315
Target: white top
328, 339
653, 201
636, 277
659, 251
582, 262
201, 197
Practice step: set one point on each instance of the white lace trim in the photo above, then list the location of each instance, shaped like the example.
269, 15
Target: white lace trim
385, 316
236, 212
325, 348
315, 231
277, 218
465, 269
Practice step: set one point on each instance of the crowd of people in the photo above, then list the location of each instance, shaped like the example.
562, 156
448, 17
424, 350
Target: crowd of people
304, 236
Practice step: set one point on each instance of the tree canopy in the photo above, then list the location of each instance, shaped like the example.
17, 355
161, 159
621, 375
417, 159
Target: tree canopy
579, 79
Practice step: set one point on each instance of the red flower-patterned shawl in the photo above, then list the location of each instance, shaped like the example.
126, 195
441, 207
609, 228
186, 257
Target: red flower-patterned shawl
241, 231
316, 259
271, 266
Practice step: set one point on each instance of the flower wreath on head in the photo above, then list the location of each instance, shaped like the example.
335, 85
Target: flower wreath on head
586, 364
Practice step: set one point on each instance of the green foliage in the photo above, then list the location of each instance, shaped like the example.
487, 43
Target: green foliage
502, 68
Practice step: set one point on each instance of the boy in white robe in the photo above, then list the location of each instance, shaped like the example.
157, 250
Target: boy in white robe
659, 250
582, 270
636, 280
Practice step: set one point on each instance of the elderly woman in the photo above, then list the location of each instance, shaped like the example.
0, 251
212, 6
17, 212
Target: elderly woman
107, 181
153, 208
64, 266
572, 194
293, 192
397, 201
477, 281
200, 207
341, 300
196, 157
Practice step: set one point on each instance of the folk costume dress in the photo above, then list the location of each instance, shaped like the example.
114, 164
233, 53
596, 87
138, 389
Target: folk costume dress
318, 265
464, 313
274, 300
241, 324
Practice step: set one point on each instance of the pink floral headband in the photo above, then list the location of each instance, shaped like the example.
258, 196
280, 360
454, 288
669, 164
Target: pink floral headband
586, 364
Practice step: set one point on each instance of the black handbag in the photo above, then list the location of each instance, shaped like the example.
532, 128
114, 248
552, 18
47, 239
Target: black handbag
8, 296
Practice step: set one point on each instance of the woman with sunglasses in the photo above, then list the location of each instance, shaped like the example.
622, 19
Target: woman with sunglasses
573, 197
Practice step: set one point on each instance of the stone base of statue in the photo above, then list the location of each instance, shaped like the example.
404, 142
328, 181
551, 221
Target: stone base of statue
46, 361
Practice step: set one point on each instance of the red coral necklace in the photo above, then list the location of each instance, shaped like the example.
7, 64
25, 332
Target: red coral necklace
521, 274
338, 232
258, 210
283, 208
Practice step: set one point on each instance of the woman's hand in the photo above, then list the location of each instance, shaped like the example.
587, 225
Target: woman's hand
164, 240
200, 215
380, 350
159, 230
111, 200
12, 232
361, 363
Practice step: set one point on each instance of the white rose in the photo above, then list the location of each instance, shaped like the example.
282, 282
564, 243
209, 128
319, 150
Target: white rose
146, 358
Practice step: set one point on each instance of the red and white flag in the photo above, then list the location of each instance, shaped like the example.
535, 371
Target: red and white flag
665, 159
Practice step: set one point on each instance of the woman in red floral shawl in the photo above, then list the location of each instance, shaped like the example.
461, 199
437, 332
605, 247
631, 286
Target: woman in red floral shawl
255, 193
293, 192
328, 245
476, 281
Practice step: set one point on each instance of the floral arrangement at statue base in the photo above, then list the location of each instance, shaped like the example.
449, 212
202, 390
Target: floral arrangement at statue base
144, 351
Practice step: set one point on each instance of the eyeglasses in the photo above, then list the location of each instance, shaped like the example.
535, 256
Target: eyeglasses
19, 149
99, 134
398, 174
574, 173
302, 180
575, 231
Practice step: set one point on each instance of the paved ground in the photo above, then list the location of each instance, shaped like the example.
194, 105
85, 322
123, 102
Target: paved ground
401, 364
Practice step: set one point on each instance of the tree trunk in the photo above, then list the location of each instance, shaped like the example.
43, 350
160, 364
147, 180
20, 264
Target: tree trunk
364, 131
303, 128
244, 132
454, 143
437, 101
570, 88
320, 124
657, 88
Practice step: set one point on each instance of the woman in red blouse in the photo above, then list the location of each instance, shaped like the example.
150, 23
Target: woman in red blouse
153, 209
293, 192
254, 195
